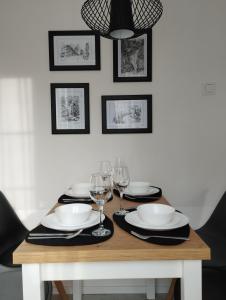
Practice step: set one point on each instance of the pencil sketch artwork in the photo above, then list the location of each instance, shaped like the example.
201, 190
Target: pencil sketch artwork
70, 50
74, 50
126, 114
70, 108
132, 57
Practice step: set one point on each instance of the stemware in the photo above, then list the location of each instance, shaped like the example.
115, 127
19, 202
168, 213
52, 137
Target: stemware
106, 173
99, 193
121, 181
105, 168
118, 162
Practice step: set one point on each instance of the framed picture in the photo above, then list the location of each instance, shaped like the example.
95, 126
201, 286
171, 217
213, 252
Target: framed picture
70, 108
74, 50
132, 59
127, 114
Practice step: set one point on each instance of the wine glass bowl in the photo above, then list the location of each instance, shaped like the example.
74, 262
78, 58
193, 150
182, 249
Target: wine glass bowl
105, 168
106, 173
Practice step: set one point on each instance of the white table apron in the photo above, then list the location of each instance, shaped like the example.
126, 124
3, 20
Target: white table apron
188, 270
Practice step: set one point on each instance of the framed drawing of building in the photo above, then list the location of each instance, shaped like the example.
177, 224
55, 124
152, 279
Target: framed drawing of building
127, 114
74, 50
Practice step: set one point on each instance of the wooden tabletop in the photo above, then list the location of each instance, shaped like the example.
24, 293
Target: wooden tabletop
121, 247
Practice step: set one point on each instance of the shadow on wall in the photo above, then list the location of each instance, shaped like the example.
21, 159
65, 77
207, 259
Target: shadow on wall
17, 142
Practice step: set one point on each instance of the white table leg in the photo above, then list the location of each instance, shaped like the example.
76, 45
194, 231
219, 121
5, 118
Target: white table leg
150, 289
191, 281
77, 289
33, 287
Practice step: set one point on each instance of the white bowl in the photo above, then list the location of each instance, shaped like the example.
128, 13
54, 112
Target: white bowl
80, 188
139, 187
73, 214
155, 214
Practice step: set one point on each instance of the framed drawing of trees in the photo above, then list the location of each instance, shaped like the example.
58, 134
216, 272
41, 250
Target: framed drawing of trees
70, 108
132, 59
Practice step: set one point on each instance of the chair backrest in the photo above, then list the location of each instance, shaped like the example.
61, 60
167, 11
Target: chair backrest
218, 218
12, 230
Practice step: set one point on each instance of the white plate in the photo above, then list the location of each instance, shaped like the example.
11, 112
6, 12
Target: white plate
51, 221
78, 190
150, 191
70, 193
179, 220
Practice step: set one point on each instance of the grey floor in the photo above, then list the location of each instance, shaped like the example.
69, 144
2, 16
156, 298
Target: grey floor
115, 297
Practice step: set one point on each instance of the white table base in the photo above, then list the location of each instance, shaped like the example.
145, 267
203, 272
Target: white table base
188, 270
150, 289
77, 288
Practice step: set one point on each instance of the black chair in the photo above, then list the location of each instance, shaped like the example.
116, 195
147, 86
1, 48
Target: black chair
214, 270
213, 285
12, 233
214, 234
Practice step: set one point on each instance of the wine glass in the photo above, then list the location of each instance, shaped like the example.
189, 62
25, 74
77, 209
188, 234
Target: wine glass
121, 181
105, 168
106, 172
99, 193
118, 162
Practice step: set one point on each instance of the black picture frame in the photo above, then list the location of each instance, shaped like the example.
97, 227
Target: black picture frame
66, 54
126, 114
132, 59
70, 108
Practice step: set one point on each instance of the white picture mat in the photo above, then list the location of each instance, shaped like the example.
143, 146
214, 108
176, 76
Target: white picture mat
66, 98
142, 73
65, 45
126, 114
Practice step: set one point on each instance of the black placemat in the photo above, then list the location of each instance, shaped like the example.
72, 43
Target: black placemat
76, 241
183, 231
142, 198
86, 200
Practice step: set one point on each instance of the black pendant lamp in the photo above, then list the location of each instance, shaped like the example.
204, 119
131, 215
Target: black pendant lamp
121, 19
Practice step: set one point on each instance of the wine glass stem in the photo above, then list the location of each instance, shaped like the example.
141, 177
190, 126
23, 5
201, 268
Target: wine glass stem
101, 213
121, 197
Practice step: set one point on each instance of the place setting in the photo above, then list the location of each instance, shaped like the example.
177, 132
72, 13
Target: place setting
77, 223
76, 193
155, 223
139, 191
135, 191
80, 192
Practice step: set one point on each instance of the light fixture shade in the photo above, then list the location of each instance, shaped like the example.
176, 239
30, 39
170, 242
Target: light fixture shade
121, 19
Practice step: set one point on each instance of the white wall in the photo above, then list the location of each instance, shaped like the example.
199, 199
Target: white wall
185, 154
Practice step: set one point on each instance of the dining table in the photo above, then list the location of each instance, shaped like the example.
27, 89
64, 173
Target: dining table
123, 256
